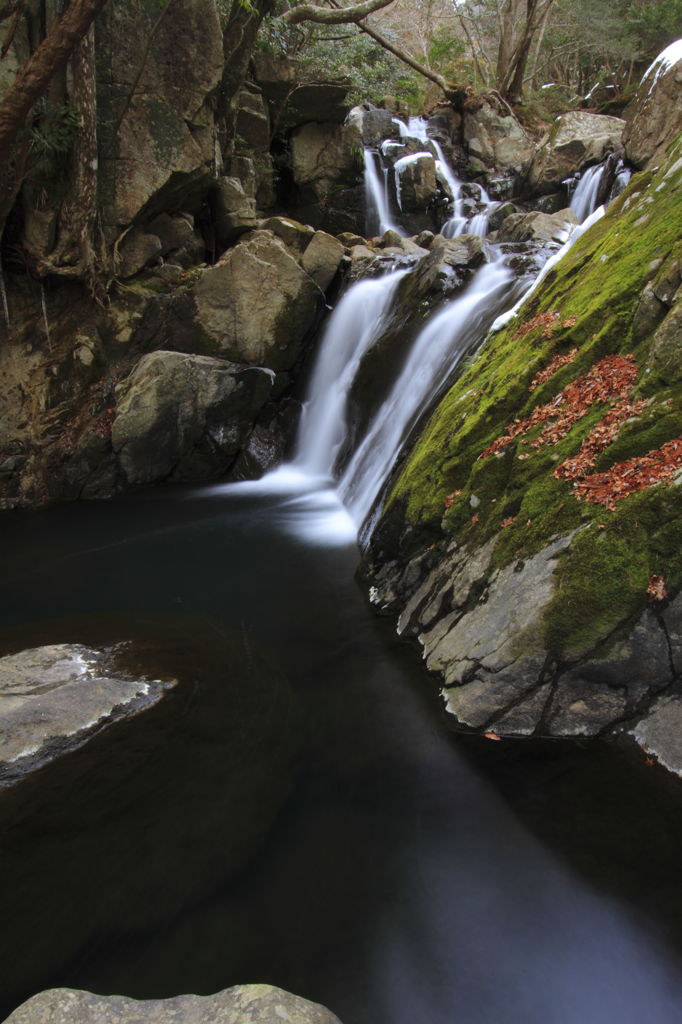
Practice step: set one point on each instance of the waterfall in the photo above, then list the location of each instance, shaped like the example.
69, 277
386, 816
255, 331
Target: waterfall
376, 191
444, 340
584, 200
355, 323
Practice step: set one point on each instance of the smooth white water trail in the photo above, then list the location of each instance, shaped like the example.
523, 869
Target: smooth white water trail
377, 198
353, 326
434, 355
584, 199
575, 234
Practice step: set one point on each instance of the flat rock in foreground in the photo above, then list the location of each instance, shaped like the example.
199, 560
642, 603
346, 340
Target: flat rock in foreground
53, 698
243, 1004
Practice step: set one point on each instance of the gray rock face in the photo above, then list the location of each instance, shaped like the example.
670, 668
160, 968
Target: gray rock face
243, 1004
234, 211
166, 139
327, 165
577, 138
494, 654
184, 417
657, 117
497, 140
52, 699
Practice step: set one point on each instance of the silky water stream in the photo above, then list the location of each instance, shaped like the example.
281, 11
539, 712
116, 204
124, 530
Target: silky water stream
296, 811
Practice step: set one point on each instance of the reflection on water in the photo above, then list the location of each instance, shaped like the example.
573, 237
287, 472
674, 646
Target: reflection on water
295, 812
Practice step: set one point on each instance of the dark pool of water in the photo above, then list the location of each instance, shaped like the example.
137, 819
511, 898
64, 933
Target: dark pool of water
295, 811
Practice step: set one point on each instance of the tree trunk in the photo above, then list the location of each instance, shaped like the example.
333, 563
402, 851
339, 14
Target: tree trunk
34, 78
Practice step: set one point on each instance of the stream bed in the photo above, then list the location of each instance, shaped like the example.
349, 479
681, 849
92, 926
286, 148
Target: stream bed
296, 811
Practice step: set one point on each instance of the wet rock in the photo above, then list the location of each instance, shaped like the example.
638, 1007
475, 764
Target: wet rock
322, 258
578, 709
257, 1004
184, 417
576, 139
544, 228
417, 182
374, 125
494, 654
603, 688
656, 116
672, 618
53, 698
659, 733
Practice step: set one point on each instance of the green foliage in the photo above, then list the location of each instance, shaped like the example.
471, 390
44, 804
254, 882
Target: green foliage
444, 50
56, 131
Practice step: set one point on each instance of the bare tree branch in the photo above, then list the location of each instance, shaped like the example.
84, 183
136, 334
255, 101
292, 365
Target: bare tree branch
333, 16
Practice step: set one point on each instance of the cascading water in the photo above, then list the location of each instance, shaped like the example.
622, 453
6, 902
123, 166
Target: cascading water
435, 354
355, 324
379, 214
584, 199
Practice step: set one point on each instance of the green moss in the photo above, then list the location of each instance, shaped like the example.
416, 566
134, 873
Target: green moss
602, 579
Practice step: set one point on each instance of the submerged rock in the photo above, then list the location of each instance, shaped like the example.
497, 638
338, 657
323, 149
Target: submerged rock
53, 698
257, 1004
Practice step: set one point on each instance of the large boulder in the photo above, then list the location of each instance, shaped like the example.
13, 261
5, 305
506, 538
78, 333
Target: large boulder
576, 139
255, 306
415, 178
184, 417
656, 117
544, 228
54, 698
495, 139
165, 146
257, 1004
374, 124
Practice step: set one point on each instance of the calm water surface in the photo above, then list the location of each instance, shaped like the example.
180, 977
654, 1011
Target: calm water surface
295, 811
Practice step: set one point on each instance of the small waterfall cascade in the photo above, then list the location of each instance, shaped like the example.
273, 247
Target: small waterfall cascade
584, 199
354, 325
458, 223
445, 339
376, 190
587, 189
